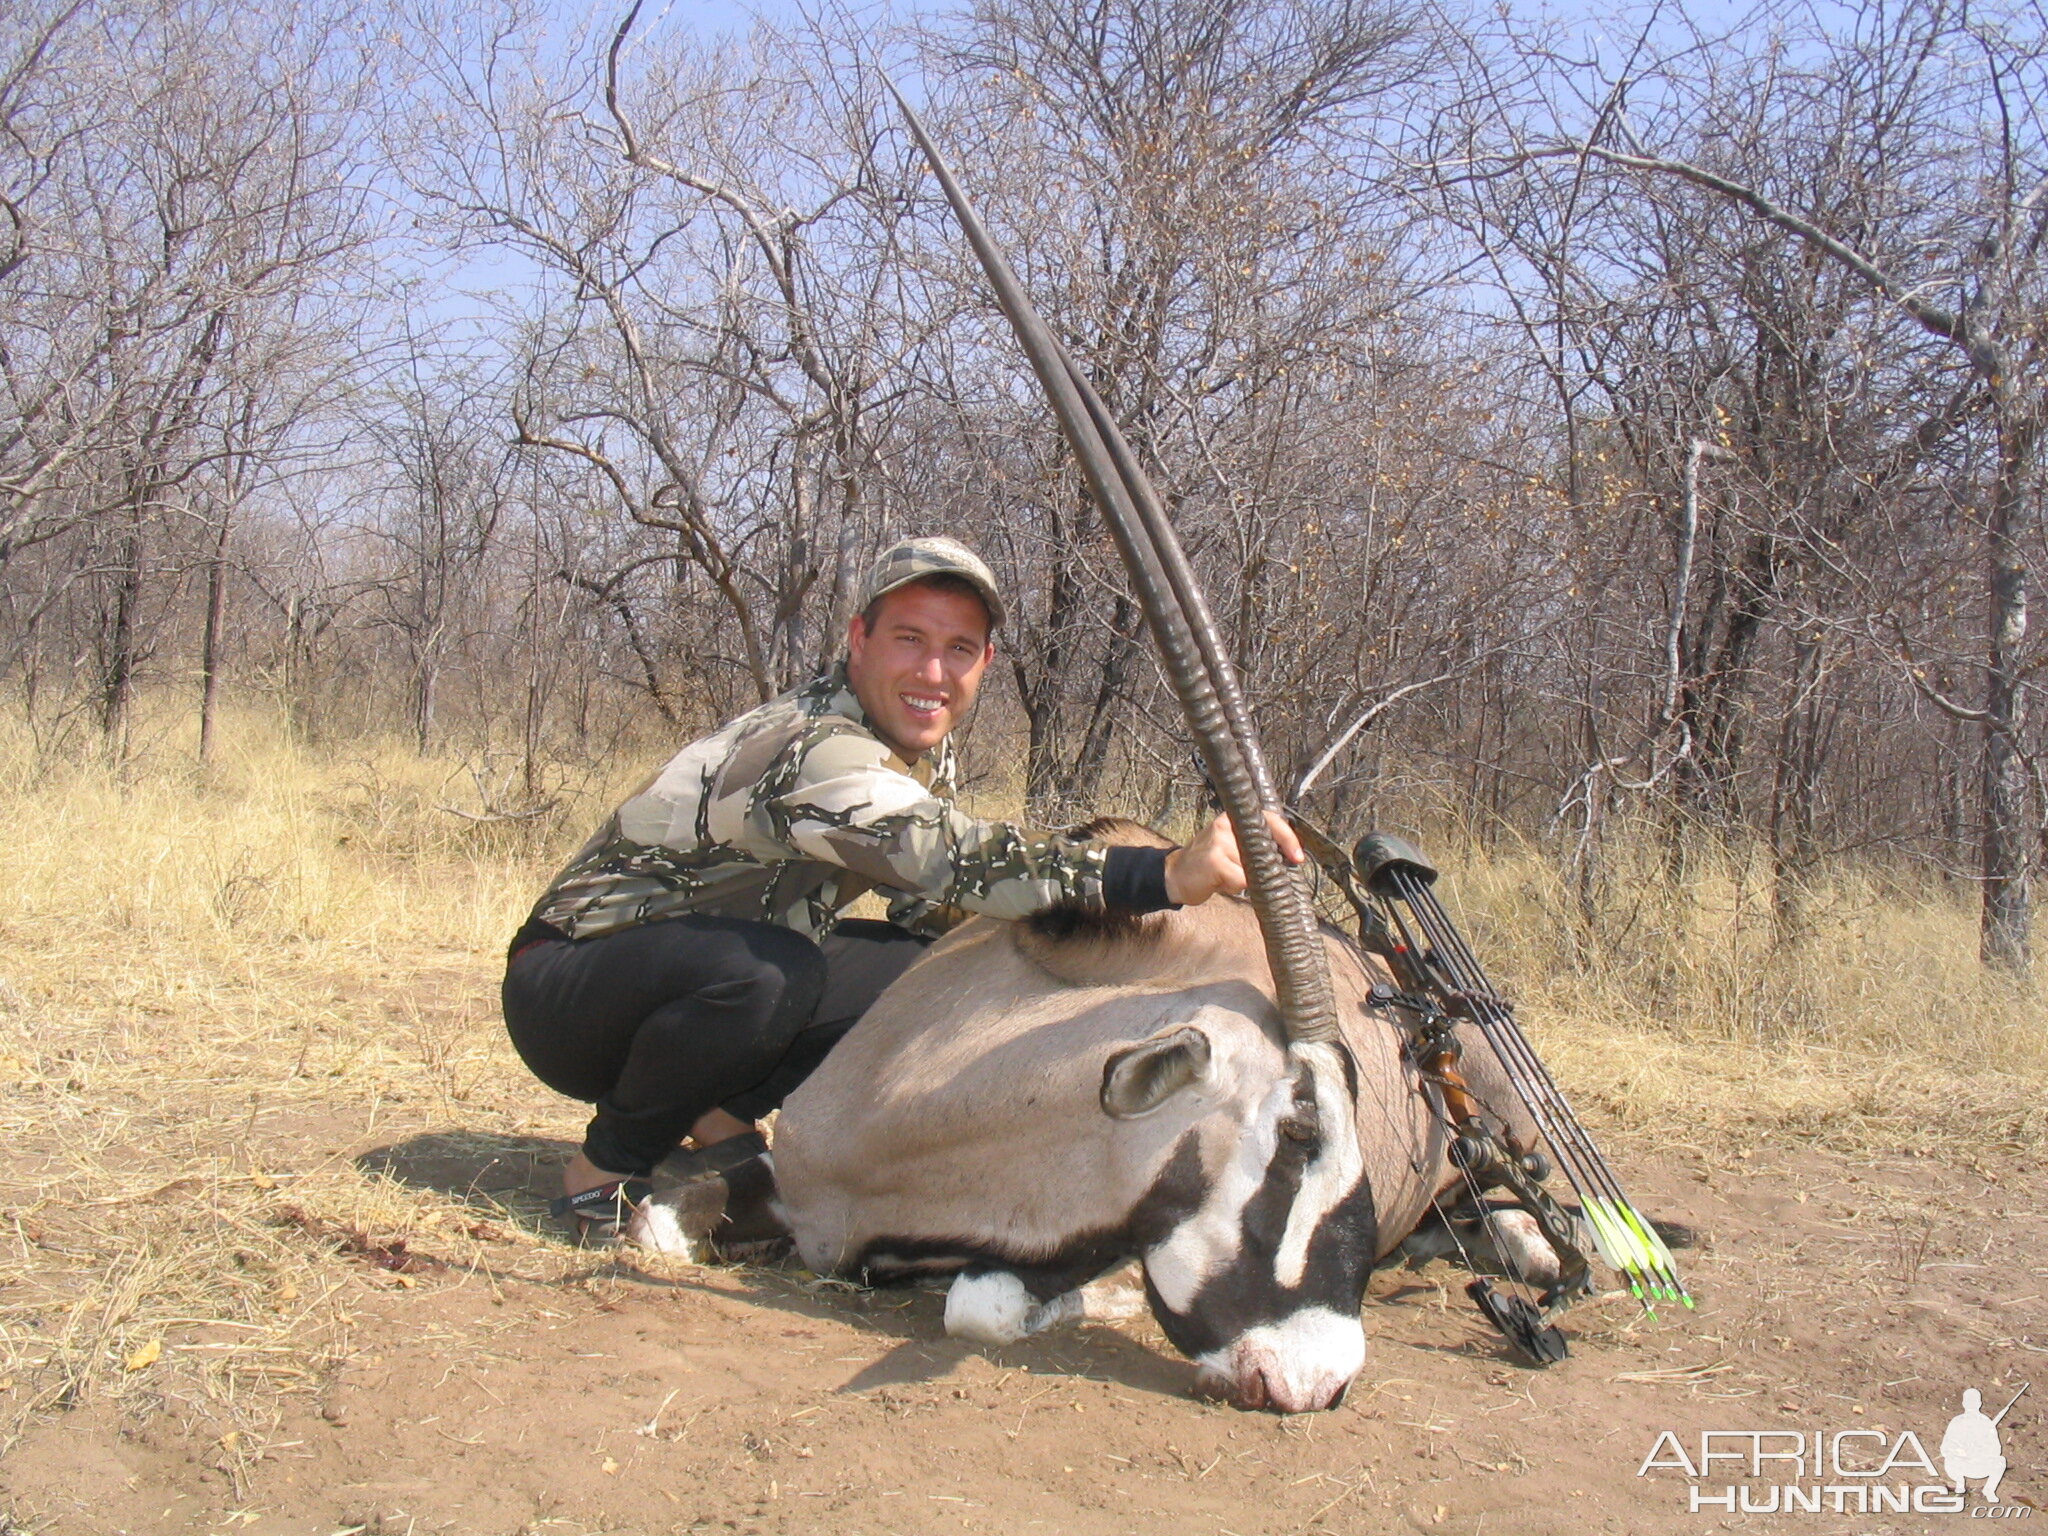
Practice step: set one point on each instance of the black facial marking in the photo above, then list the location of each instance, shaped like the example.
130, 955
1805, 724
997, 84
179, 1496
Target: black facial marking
893, 1260
1247, 1293
1174, 1196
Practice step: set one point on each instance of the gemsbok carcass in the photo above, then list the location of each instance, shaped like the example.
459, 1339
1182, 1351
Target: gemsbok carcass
1034, 1104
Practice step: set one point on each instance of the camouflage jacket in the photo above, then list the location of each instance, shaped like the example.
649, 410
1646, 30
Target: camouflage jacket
793, 810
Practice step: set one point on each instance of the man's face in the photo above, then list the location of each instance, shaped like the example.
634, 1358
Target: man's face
917, 670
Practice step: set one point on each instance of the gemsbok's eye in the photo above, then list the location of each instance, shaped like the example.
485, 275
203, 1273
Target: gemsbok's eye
1300, 1128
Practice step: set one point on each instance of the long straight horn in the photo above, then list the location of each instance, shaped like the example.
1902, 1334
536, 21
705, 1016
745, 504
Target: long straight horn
1197, 664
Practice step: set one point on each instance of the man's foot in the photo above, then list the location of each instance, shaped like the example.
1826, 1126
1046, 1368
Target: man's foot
601, 1203
583, 1174
716, 1125
601, 1211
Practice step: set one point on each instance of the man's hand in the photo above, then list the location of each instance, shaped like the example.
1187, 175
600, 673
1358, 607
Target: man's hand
1211, 861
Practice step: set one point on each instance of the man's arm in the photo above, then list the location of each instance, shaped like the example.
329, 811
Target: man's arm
849, 807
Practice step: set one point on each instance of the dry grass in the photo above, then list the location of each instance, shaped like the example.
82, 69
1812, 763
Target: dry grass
216, 990
212, 990
1686, 1013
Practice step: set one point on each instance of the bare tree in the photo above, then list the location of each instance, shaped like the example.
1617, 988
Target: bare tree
182, 189
1169, 178
1905, 155
716, 357
435, 513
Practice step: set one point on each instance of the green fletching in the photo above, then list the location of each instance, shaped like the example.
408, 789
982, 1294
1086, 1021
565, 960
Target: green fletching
1633, 1250
1618, 1245
1604, 1236
1667, 1267
1648, 1234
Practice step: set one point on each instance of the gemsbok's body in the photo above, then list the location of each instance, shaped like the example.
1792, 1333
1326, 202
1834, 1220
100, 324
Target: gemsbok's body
1034, 1104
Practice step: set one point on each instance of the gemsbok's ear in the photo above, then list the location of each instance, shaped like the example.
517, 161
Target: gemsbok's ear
1139, 1078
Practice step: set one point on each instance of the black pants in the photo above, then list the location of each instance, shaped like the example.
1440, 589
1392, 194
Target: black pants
657, 1024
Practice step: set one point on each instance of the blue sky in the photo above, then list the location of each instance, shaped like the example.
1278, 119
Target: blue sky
456, 293
460, 289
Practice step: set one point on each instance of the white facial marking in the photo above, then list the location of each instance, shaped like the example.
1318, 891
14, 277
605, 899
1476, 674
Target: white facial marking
1213, 1236
1336, 1169
1305, 1360
657, 1226
988, 1309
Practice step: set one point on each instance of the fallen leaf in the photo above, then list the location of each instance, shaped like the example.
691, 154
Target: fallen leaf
262, 1181
609, 1467
146, 1356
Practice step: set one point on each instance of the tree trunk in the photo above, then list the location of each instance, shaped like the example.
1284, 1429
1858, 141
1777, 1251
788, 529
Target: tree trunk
1794, 786
210, 639
533, 721
298, 648
1125, 629
118, 678
1724, 692
426, 674
1044, 694
1044, 799
2005, 940
1584, 859
840, 596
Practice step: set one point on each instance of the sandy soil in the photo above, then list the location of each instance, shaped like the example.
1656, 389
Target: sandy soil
630, 1397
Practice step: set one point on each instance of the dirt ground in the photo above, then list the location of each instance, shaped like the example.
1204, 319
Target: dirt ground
498, 1384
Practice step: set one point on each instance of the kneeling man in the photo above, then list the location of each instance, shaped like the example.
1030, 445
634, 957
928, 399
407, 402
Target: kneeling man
689, 968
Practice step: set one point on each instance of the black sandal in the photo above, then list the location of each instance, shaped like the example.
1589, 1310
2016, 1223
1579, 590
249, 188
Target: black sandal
601, 1213
721, 1157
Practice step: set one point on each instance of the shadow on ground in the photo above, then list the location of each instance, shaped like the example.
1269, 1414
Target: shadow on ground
494, 1174
517, 1175
913, 1316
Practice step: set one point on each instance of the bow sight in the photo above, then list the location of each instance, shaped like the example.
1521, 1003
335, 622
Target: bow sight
1440, 984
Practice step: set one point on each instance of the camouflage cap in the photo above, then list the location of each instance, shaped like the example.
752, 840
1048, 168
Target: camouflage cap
914, 559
